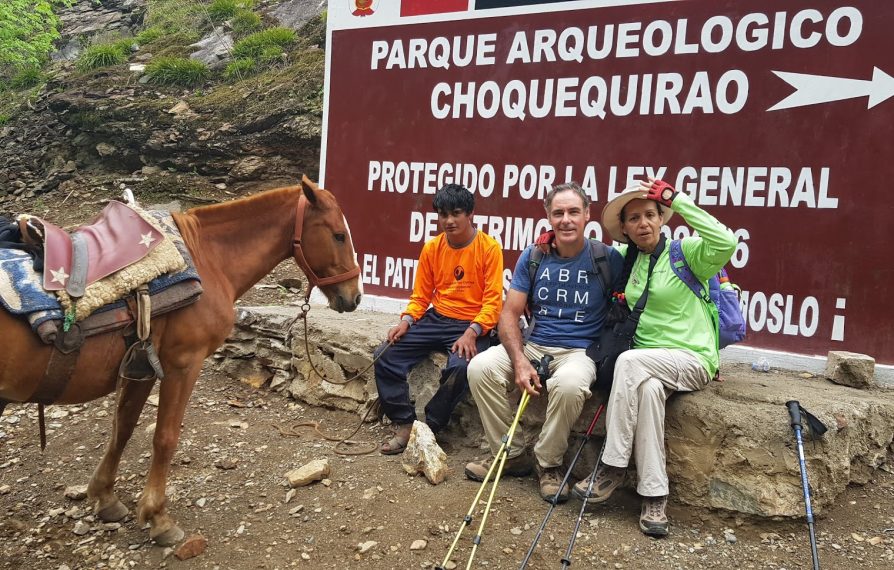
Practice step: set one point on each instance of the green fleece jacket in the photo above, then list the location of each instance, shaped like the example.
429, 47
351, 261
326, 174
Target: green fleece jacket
674, 317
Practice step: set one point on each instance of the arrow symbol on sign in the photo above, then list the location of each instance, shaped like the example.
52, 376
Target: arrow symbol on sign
815, 89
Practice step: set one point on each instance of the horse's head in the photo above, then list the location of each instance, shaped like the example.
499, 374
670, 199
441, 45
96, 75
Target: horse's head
324, 250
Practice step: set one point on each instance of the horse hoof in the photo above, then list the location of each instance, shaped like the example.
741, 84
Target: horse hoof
168, 537
113, 513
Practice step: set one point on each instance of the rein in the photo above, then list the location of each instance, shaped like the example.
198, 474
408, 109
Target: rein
305, 308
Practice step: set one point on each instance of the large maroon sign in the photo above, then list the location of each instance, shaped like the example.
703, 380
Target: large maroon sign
775, 117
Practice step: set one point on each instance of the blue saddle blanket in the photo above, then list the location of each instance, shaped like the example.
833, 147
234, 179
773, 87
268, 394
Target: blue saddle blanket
22, 292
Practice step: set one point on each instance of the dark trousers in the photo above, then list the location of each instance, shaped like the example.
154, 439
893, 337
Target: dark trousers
433, 332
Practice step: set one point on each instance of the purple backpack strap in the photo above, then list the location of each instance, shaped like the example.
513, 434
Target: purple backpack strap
681, 269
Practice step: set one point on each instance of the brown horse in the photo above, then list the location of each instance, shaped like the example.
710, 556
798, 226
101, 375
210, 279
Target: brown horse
233, 246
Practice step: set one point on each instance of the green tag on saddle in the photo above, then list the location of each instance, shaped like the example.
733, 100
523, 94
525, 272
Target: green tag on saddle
69, 319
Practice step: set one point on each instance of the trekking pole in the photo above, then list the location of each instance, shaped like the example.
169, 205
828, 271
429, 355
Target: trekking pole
498, 463
555, 499
566, 560
499, 459
794, 412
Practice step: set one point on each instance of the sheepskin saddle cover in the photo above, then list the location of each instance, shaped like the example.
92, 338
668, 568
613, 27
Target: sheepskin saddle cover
123, 249
118, 237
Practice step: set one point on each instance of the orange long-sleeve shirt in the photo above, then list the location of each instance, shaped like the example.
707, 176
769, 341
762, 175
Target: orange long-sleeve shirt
464, 284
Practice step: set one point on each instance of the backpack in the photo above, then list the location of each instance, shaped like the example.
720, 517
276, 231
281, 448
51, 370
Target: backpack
721, 293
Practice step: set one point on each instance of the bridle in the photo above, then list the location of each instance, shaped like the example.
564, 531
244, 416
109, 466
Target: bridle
313, 280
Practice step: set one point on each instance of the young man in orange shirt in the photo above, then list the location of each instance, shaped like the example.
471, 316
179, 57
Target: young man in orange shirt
456, 301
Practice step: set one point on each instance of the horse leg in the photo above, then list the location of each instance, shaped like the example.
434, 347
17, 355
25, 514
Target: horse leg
101, 489
176, 389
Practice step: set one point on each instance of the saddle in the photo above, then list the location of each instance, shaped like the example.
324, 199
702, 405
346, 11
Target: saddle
118, 237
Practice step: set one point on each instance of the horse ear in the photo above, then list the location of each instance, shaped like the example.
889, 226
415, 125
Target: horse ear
309, 188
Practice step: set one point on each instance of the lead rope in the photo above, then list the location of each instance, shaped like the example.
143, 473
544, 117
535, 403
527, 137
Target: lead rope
305, 309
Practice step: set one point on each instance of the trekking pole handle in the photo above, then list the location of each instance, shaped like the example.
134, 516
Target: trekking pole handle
543, 367
794, 412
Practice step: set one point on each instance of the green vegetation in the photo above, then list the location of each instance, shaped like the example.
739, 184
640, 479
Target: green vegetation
255, 45
245, 22
104, 55
221, 10
183, 18
240, 69
176, 71
149, 35
28, 29
27, 78
4, 119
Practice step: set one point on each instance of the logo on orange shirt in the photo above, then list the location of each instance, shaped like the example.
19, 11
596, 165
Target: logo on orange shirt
459, 272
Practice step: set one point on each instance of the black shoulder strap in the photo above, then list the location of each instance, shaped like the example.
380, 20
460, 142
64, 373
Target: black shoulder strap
633, 318
599, 253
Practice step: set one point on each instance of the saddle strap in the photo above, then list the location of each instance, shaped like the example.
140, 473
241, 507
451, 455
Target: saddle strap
77, 282
55, 379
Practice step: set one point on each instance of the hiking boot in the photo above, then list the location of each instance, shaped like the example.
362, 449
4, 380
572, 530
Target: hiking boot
652, 519
608, 478
520, 466
550, 479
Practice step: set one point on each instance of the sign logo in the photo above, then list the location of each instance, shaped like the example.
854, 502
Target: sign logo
364, 7
459, 272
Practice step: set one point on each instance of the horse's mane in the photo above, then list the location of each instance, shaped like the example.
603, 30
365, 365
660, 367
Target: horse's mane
246, 206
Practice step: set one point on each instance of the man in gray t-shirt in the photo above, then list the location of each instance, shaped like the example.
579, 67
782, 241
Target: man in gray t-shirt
568, 303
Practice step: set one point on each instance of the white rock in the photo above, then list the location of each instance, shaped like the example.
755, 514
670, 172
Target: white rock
424, 455
418, 545
76, 492
364, 547
81, 528
4, 489
850, 369
314, 471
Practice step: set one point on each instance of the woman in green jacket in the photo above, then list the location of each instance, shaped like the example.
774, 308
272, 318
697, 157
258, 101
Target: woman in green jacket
675, 347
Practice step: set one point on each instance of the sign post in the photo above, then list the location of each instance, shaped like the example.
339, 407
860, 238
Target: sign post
778, 118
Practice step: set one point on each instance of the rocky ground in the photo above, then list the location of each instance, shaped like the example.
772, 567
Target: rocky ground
228, 483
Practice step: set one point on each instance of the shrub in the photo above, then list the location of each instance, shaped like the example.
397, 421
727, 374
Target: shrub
102, 55
255, 44
220, 10
149, 35
4, 119
28, 77
271, 54
240, 69
176, 71
244, 22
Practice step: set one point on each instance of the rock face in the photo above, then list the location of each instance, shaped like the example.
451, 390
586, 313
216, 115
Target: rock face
58, 142
729, 446
83, 20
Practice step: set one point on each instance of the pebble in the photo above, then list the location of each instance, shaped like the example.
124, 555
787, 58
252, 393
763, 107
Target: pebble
418, 545
4, 489
364, 547
81, 528
76, 492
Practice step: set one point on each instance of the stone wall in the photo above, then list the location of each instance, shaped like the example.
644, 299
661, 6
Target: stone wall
729, 447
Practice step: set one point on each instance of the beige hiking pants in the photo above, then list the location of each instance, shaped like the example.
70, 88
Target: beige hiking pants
644, 379
492, 379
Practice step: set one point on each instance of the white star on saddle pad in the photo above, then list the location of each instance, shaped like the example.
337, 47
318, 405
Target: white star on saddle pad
147, 239
60, 276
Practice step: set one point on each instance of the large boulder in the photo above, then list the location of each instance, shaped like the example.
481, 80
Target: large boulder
729, 446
